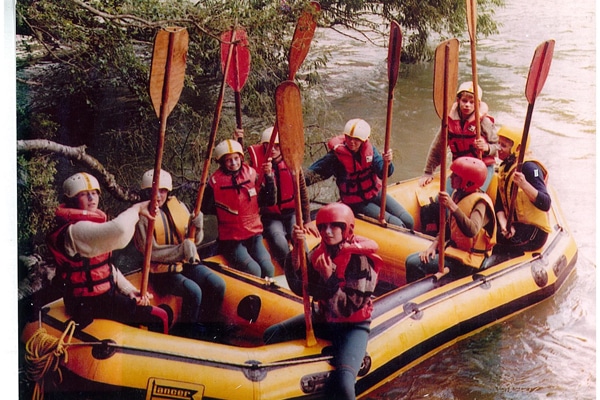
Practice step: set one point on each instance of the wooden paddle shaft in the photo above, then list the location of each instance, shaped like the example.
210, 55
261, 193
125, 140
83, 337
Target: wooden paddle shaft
442, 217
168, 98
211, 141
289, 119
472, 27
394, 50
538, 72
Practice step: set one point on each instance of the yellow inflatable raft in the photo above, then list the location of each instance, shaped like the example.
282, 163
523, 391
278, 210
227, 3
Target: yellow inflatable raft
410, 323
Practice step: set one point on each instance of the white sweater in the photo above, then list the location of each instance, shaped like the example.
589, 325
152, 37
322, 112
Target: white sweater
90, 239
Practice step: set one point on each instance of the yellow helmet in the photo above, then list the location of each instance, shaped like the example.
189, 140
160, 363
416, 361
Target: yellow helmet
357, 128
512, 134
468, 87
165, 180
79, 182
228, 146
266, 136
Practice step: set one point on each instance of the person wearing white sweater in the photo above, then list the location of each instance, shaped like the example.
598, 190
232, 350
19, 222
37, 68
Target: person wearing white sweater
82, 245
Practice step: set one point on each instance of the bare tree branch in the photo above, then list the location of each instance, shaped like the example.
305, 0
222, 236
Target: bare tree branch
79, 155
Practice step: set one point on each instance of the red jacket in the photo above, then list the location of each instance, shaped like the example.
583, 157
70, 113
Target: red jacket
361, 182
351, 301
461, 139
283, 179
83, 276
236, 200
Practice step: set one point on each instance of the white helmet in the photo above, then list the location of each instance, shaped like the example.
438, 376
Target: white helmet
165, 180
358, 128
79, 182
468, 87
228, 146
266, 136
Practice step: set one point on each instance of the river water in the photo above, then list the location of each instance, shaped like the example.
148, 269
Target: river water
548, 351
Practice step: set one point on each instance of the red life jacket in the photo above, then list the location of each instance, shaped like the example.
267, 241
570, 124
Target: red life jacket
461, 139
82, 276
283, 179
359, 246
236, 200
360, 183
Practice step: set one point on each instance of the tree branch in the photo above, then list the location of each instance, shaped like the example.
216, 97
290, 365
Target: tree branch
127, 20
133, 20
79, 155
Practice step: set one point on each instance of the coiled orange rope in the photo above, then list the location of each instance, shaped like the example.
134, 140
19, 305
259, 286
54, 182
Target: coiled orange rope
43, 354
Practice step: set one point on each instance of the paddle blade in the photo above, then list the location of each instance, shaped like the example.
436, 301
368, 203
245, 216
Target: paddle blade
538, 71
445, 75
240, 61
394, 50
472, 19
303, 34
290, 124
167, 71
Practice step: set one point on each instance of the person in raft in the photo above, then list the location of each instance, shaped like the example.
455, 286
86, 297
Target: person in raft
279, 219
175, 266
462, 136
358, 169
531, 225
342, 275
82, 244
472, 225
235, 194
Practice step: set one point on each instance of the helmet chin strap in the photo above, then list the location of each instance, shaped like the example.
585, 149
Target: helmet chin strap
230, 172
510, 160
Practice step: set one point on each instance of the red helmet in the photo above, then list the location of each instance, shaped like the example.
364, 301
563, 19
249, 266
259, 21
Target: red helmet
472, 172
337, 213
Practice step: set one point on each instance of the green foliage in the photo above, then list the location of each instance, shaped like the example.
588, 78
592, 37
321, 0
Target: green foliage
36, 200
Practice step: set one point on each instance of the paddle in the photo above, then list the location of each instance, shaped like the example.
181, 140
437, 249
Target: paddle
213, 134
291, 140
238, 72
472, 27
303, 34
444, 86
166, 83
538, 72
394, 49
